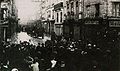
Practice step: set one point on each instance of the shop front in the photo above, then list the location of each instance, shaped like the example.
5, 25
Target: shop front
68, 28
48, 26
93, 29
114, 27
58, 29
72, 29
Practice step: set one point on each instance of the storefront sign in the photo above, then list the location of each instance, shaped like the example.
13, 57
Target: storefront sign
114, 23
92, 22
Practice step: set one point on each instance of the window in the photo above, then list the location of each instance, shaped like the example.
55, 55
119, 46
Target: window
68, 13
77, 4
97, 6
67, 6
52, 14
57, 17
116, 9
61, 17
77, 10
72, 5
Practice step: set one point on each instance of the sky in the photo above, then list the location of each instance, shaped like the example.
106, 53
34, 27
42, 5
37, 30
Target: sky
27, 10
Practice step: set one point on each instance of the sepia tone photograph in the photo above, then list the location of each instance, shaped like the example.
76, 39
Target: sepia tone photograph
59, 35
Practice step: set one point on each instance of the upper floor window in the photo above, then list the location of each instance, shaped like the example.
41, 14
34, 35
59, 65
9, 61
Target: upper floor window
61, 17
72, 6
97, 6
57, 17
67, 6
77, 8
52, 14
77, 4
116, 8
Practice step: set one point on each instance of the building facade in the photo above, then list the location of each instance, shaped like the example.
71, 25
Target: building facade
69, 17
9, 18
47, 15
104, 13
73, 13
59, 15
101, 24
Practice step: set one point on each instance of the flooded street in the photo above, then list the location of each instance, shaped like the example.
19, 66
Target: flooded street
23, 36
59, 35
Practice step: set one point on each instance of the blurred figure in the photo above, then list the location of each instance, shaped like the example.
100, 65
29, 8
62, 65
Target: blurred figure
14, 69
35, 65
53, 63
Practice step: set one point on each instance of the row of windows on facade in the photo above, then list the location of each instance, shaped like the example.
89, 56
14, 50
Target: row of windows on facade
116, 9
72, 5
57, 19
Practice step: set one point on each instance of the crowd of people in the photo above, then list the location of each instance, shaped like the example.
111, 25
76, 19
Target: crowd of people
60, 54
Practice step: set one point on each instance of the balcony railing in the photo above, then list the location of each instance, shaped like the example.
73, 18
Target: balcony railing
58, 6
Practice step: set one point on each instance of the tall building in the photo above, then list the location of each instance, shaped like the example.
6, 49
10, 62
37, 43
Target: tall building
101, 8
73, 13
8, 19
47, 15
58, 16
55, 12
74, 18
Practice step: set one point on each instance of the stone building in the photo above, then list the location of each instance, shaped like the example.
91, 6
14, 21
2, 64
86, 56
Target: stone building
67, 17
9, 18
101, 8
58, 15
73, 13
47, 15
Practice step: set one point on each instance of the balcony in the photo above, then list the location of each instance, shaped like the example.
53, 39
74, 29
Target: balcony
58, 6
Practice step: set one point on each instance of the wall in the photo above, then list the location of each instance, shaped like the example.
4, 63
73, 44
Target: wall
8, 27
104, 5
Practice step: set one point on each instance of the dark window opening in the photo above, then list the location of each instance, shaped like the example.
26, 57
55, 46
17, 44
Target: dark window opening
97, 6
77, 4
67, 6
72, 5
61, 17
57, 17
